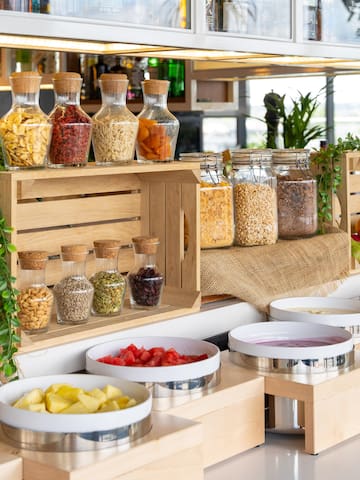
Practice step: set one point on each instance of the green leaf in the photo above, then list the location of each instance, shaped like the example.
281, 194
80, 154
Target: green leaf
11, 248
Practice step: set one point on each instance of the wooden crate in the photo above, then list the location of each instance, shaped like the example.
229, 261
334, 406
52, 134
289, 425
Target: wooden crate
52, 207
346, 204
172, 449
232, 415
329, 404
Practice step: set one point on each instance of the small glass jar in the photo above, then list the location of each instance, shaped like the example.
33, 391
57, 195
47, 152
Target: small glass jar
158, 128
25, 129
109, 285
144, 279
74, 293
254, 198
71, 136
35, 299
114, 126
216, 201
296, 193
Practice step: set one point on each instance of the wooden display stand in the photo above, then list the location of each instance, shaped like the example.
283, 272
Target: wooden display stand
53, 207
232, 415
171, 450
330, 404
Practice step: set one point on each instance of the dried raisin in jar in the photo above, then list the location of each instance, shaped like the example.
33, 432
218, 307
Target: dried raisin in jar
114, 126
74, 293
254, 198
35, 299
109, 284
145, 279
216, 201
296, 193
71, 137
25, 129
158, 128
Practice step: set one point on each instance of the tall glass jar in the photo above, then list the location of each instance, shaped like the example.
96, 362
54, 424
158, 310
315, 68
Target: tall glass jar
114, 126
254, 198
145, 279
296, 193
74, 293
71, 137
25, 129
35, 299
158, 128
109, 285
216, 201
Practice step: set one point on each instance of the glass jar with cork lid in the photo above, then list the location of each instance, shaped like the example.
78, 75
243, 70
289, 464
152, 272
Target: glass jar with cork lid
158, 127
71, 136
296, 193
35, 299
114, 126
74, 293
25, 129
109, 284
145, 279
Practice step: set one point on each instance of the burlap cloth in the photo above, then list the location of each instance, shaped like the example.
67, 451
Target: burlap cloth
258, 275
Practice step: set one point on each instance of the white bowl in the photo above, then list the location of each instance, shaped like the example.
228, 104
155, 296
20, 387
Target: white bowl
187, 346
72, 423
338, 312
249, 339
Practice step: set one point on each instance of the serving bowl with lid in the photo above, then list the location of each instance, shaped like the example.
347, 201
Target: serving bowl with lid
74, 432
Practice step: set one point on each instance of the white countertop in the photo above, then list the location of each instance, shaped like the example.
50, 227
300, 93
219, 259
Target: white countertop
282, 458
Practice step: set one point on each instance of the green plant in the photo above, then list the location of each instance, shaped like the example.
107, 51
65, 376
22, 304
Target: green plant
329, 175
9, 322
297, 131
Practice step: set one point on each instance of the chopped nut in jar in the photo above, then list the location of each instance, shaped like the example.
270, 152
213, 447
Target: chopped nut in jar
35, 305
216, 215
255, 214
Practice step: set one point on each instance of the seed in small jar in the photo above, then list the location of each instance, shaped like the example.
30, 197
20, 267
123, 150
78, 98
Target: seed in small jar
145, 287
73, 297
109, 291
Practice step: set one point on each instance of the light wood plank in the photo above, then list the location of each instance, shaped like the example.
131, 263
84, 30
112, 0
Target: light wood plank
174, 235
191, 261
157, 222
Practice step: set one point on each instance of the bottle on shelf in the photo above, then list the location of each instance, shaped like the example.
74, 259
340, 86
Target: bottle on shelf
314, 20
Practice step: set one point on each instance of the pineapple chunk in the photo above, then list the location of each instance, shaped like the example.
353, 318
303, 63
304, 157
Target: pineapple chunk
112, 392
56, 403
76, 407
109, 406
34, 396
69, 392
37, 407
55, 387
99, 394
122, 401
90, 403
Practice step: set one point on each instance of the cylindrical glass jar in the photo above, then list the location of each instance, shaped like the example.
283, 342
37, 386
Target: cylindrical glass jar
144, 279
74, 293
71, 136
254, 198
158, 128
296, 193
109, 285
216, 201
114, 126
25, 129
35, 299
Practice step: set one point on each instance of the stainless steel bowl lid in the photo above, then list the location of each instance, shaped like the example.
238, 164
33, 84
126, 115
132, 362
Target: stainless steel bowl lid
272, 340
338, 312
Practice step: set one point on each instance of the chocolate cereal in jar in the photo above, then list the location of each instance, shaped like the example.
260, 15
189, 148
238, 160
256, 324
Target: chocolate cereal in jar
25, 129
35, 299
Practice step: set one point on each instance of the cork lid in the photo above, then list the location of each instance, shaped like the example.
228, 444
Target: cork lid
25, 82
33, 259
67, 82
74, 253
145, 244
113, 83
106, 248
155, 87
